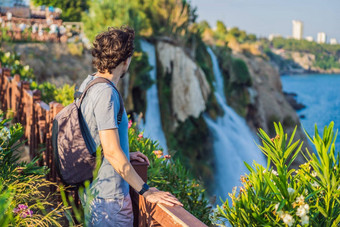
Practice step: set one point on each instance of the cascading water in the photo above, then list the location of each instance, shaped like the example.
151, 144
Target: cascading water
153, 125
233, 143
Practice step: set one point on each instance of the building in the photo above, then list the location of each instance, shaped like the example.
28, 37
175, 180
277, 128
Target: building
272, 36
309, 38
297, 29
333, 41
321, 37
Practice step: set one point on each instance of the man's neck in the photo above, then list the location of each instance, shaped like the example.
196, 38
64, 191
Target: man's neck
114, 77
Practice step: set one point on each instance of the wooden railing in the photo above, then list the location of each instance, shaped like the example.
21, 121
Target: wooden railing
37, 117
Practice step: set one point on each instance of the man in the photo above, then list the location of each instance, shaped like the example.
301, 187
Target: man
112, 52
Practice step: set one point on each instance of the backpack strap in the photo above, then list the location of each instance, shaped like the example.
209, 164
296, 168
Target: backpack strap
104, 80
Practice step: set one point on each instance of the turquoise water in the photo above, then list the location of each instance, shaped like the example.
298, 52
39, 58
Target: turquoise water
320, 93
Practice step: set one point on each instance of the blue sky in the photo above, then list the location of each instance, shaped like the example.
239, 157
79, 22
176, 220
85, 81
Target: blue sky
264, 17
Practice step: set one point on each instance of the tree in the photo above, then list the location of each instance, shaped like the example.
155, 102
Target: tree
71, 9
113, 13
221, 28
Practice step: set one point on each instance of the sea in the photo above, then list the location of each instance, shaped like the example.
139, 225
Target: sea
320, 93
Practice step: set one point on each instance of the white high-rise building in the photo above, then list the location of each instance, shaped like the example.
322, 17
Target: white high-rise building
333, 41
297, 29
321, 37
309, 38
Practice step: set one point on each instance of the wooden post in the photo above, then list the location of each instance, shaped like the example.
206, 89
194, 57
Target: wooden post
36, 97
5, 77
142, 170
15, 95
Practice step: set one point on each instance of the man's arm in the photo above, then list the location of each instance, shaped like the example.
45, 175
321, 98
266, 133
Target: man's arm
114, 154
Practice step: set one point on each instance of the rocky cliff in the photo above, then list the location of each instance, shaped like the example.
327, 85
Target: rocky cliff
189, 86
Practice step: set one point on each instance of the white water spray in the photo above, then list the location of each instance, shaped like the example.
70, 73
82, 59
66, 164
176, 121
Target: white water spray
153, 124
234, 143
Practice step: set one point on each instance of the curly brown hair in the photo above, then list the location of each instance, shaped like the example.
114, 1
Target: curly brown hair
112, 47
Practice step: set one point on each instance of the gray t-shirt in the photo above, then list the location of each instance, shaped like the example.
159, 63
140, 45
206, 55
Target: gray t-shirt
100, 109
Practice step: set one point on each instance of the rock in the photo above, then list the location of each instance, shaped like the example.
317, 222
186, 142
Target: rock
291, 98
189, 87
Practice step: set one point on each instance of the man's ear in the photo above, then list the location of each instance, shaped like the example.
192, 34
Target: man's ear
127, 61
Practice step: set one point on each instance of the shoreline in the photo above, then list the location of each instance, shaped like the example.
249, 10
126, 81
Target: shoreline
292, 73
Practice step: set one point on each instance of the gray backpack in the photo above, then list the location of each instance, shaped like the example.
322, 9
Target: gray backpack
73, 146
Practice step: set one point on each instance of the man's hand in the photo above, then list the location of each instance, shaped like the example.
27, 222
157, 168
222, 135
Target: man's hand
138, 156
153, 195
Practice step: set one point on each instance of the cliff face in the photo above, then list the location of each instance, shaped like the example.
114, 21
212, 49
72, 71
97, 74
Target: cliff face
188, 85
183, 97
268, 101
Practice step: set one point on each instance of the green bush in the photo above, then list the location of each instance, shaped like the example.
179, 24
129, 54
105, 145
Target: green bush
12, 61
23, 197
65, 94
280, 196
241, 72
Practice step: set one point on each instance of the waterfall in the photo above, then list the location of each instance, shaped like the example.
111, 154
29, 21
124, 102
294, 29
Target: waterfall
153, 124
233, 143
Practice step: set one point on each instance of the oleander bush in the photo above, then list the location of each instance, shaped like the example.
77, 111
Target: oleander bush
277, 195
25, 199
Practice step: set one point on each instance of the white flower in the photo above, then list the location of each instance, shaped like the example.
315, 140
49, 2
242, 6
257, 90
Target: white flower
306, 206
301, 211
291, 191
280, 213
5, 134
264, 171
277, 206
7, 54
234, 190
274, 172
288, 219
304, 220
315, 184
306, 191
300, 199
26, 67
314, 174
